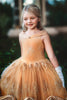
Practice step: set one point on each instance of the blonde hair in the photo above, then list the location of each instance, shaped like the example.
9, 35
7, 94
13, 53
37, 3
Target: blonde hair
36, 11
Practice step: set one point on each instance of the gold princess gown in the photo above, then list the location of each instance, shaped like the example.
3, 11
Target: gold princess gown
32, 75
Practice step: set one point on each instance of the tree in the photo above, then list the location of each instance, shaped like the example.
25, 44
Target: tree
20, 3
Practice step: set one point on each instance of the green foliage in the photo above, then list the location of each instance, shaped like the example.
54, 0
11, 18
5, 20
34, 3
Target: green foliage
9, 51
57, 14
6, 18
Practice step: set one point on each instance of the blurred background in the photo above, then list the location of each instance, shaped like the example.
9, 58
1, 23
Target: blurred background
54, 20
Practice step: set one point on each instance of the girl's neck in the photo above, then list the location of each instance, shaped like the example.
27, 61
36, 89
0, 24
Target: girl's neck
33, 31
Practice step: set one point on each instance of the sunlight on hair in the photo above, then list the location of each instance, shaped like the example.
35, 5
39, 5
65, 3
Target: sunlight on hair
28, 2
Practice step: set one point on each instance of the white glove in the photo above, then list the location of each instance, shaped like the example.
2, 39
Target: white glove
60, 74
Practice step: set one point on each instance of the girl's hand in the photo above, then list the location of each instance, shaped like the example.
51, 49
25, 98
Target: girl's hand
60, 74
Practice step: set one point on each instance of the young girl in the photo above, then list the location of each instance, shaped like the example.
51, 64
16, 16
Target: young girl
32, 75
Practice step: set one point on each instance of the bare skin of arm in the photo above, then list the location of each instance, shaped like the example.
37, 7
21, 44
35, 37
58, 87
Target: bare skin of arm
49, 51
20, 42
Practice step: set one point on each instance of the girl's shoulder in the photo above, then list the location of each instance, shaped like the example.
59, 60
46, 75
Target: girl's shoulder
45, 36
44, 33
21, 34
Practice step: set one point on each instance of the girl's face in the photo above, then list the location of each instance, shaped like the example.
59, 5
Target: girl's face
30, 20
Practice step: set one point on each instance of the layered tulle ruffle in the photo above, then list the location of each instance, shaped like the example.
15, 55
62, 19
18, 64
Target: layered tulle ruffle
38, 80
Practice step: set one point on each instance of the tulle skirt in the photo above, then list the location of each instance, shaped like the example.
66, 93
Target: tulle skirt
38, 80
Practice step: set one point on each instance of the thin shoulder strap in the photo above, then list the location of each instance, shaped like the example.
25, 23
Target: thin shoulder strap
42, 34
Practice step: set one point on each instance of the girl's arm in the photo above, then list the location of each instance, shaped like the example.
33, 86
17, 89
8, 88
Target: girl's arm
52, 57
20, 42
49, 50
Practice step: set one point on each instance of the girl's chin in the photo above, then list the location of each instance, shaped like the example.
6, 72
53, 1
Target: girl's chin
31, 27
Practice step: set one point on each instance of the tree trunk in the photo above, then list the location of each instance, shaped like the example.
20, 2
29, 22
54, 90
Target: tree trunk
20, 10
44, 12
